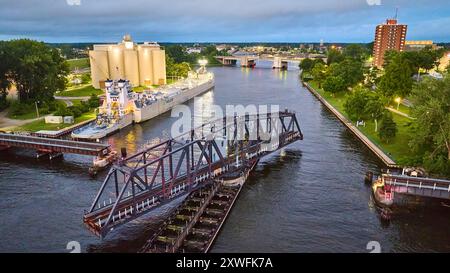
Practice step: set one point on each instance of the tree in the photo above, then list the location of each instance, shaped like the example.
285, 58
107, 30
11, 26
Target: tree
431, 137
355, 52
397, 80
334, 84
351, 71
178, 54
5, 82
375, 108
363, 104
36, 69
85, 78
355, 105
371, 76
306, 65
319, 73
334, 56
388, 128
177, 69
93, 101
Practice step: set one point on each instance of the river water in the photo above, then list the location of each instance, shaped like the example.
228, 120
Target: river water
312, 199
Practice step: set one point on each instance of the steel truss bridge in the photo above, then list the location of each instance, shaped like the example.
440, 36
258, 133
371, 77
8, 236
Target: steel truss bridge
158, 174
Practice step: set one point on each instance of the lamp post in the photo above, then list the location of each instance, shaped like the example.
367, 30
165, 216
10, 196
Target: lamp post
37, 109
398, 100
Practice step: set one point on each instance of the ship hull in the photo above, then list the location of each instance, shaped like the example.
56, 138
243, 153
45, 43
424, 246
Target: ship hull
92, 134
161, 106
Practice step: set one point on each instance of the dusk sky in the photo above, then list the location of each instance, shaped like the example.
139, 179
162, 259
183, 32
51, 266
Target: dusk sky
219, 21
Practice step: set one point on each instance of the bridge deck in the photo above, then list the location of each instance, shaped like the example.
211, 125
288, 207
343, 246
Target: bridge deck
53, 145
419, 186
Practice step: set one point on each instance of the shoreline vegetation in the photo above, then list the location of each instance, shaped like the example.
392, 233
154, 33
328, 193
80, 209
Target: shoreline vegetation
396, 149
403, 114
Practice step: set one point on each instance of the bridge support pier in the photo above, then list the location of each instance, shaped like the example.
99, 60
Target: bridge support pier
248, 63
279, 64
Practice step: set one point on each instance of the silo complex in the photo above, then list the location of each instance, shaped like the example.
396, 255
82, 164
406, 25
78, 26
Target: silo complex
141, 64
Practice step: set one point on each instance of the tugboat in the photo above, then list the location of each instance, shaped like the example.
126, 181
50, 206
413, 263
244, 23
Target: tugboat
382, 194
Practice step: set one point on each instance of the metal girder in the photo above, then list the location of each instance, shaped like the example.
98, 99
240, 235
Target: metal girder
160, 173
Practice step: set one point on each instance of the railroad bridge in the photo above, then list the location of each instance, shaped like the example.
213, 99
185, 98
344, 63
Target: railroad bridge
53, 146
181, 165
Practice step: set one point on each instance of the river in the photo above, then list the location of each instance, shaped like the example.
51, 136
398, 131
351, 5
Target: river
312, 199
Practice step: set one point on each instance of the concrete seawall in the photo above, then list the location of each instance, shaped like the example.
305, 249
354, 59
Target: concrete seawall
388, 161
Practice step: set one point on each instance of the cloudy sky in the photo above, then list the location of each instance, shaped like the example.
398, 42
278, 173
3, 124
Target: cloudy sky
219, 20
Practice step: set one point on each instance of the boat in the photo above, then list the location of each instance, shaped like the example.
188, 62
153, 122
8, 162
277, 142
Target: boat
383, 196
123, 107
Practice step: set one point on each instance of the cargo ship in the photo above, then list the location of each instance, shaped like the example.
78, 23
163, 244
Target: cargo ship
122, 106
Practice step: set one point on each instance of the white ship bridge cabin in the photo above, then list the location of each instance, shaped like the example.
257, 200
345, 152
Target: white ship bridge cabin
119, 97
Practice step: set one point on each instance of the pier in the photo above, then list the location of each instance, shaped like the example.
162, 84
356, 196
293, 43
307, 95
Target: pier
180, 166
387, 160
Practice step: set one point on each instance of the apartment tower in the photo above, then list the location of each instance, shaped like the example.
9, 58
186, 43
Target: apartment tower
388, 36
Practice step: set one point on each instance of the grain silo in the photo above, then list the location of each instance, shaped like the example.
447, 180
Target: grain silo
141, 64
99, 67
159, 67
116, 62
145, 65
131, 66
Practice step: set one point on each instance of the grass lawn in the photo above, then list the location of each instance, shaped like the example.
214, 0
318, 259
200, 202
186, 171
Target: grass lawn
84, 91
398, 148
41, 125
78, 63
31, 114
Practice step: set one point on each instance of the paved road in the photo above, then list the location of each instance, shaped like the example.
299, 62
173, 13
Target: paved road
399, 112
8, 124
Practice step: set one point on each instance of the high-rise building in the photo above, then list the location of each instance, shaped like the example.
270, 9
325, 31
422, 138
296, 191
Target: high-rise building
141, 64
388, 36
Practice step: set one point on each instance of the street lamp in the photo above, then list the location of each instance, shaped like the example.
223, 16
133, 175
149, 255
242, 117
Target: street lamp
398, 100
37, 109
202, 62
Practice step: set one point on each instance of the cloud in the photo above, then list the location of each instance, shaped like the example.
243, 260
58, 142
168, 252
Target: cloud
211, 20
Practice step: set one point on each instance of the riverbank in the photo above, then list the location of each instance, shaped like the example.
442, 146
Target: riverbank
378, 151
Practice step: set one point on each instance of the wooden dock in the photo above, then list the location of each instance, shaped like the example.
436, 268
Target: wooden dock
388, 161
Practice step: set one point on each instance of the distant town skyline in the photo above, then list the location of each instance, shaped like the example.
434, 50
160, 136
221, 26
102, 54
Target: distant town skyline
293, 21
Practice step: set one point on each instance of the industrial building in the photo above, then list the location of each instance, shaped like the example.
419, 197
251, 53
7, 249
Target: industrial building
141, 64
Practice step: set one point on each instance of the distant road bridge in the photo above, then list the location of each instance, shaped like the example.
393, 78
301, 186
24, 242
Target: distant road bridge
244, 60
159, 174
250, 60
